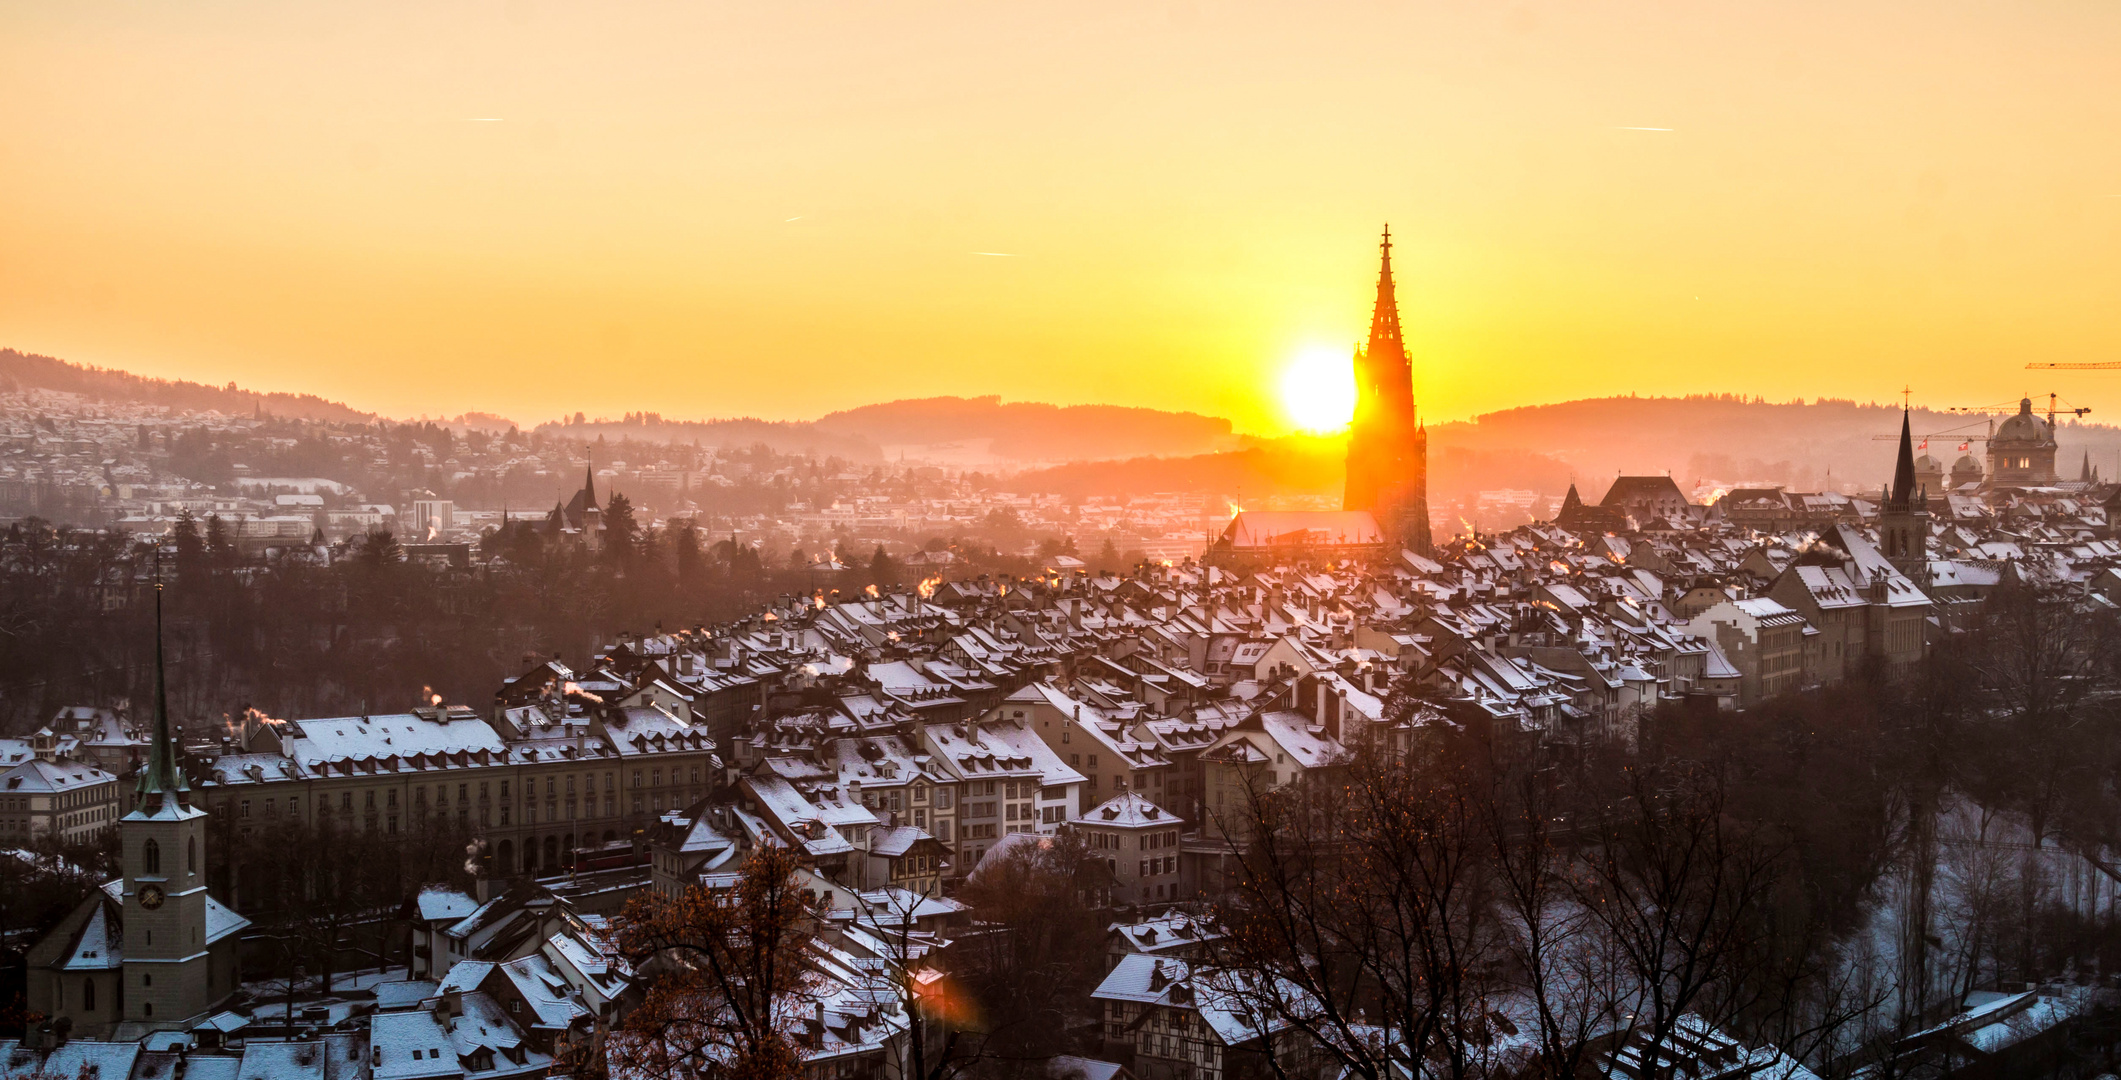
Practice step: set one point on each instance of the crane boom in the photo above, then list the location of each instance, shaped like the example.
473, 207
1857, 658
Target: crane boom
2107, 365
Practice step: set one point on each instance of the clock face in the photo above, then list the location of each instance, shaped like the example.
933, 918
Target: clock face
150, 896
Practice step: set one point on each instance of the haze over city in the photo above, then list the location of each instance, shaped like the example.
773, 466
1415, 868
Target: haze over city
531, 208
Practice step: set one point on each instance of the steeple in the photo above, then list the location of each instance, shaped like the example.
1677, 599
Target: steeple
161, 775
589, 483
1903, 488
1385, 344
2085, 474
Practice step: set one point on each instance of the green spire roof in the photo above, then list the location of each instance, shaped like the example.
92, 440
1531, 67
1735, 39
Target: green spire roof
161, 774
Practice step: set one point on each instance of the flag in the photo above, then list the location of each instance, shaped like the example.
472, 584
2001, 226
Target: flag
1925, 444
1963, 447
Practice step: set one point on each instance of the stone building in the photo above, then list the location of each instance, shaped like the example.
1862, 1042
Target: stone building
2022, 451
1388, 447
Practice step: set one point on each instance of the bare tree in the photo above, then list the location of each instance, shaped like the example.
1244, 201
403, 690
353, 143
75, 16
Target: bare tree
726, 978
1364, 897
1677, 888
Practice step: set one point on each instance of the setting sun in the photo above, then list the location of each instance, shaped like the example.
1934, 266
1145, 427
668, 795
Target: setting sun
1318, 389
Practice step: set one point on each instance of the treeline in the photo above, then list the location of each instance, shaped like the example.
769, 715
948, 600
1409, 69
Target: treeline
364, 628
26, 371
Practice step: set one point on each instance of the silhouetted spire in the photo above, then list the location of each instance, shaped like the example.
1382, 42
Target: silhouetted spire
1903, 488
160, 776
1385, 342
2086, 474
589, 484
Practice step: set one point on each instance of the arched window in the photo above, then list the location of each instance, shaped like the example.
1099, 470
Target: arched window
151, 858
191, 855
88, 995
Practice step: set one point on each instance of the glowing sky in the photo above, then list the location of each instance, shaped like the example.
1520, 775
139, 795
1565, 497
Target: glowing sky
777, 209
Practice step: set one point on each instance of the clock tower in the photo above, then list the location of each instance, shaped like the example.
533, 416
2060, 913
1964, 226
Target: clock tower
169, 971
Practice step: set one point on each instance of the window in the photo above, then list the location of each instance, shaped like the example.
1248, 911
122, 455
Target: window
191, 855
88, 995
368, 799
390, 797
656, 779
243, 808
504, 789
151, 858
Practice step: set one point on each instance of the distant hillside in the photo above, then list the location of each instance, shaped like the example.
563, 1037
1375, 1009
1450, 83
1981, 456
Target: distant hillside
982, 431
25, 371
1030, 431
783, 437
1744, 440
1543, 448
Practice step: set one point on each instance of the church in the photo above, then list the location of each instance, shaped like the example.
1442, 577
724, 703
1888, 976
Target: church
1385, 503
1388, 447
150, 951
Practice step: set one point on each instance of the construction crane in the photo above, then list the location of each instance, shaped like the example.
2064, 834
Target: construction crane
2104, 365
2053, 407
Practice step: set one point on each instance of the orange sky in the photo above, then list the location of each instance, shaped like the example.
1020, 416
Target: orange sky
716, 208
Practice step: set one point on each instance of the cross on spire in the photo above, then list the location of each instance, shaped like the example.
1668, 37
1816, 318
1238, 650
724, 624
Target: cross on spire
1385, 342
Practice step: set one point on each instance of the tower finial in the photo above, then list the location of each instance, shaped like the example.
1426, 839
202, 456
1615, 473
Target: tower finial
1386, 346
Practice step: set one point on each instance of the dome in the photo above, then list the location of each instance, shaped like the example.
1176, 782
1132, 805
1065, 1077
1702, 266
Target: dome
1926, 463
2023, 428
1967, 463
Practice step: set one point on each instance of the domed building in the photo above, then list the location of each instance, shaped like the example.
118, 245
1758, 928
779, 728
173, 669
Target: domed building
2022, 451
1966, 470
1929, 475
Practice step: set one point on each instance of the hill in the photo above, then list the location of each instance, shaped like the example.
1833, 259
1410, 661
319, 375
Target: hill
21, 371
1722, 441
981, 432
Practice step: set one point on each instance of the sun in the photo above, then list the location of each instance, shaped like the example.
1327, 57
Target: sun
1318, 389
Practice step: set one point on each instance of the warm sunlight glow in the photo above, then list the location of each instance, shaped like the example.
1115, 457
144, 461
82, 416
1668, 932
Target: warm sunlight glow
1318, 389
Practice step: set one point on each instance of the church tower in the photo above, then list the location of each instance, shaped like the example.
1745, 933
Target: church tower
168, 970
1904, 517
1388, 448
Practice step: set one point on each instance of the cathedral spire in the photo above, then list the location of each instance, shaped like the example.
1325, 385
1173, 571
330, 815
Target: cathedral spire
1904, 469
1385, 343
589, 483
160, 776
